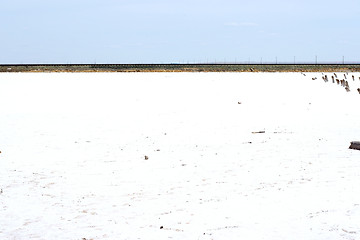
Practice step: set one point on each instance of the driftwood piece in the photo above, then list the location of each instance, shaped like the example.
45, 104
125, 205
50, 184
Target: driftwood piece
355, 145
258, 132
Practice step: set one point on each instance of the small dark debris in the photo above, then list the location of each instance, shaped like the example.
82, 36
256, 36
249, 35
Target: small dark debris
355, 145
239, 102
258, 132
146, 157
161, 227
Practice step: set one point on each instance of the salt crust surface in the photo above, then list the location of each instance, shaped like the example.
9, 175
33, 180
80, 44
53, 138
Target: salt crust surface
230, 156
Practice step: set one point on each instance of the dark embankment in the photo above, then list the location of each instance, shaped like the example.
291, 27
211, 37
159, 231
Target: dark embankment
179, 67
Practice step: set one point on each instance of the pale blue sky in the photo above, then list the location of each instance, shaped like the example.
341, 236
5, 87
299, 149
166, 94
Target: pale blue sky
167, 31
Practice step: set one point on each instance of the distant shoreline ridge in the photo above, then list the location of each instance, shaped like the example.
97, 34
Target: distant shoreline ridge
176, 67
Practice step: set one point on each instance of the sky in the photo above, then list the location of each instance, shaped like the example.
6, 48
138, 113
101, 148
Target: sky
186, 31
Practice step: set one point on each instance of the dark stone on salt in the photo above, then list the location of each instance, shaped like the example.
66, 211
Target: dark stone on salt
355, 145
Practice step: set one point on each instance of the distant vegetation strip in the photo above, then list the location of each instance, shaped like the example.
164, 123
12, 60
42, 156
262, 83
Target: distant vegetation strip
179, 67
